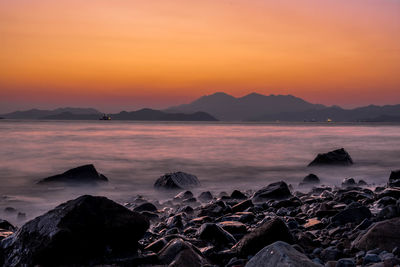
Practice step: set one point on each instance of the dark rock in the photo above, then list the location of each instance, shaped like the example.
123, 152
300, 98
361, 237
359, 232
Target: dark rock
388, 212
21, 216
278, 190
280, 254
363, 225
175, 221
214, 209
7, 226
384, 235
394, 179
184, 195
330, 254
242, 206
337, 157
236, 194
362, 183
157, 245
390, 192
310, 179
10, 210
345, 262
352, 215
176, 180
80, 231
213, 233
151, 216
264, 235
145, 207
180, 253
83, 174
348, 182
371, 258
233, 227
205, 196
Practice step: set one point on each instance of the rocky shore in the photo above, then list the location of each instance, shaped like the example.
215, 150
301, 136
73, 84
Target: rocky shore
354, 224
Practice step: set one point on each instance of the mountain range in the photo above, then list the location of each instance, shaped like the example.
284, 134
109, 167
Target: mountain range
221, 106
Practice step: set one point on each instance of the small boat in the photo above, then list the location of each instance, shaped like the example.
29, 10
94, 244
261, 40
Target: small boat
105, 118
329, 120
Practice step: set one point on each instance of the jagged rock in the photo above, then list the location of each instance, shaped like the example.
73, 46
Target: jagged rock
280, 254
83, 174
336, 157
278, 190
352, 215
176, 180
264, 235
180, 253
213, 233
81, 231
384, 235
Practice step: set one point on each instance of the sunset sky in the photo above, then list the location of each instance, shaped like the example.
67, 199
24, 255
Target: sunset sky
127, 54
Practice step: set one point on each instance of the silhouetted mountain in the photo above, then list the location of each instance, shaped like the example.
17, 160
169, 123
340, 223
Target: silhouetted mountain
226, 107
157, 115
384, 118
71, 116
34, 114
335, 113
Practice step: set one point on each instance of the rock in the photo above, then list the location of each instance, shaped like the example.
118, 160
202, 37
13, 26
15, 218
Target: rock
388, 212
242, 206
310, 179
337, 157
80, 231
352, 215
346, 262
362, 183
234, 228
213, 233
184, 195
10, 210
280, 254
278, 190
214, 209
176, 180
264, 235
371, 258
147, 206
330, 254
180, 253
348, 182
236, 194
394, 179
86, 174
205, 196
7, 226
157, 245
384, 235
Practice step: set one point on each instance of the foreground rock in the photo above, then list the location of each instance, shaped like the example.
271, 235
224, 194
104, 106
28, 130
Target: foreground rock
384, 235
267, 233
85, 230
180, 253
176, 180
336, 157
79, 175
278, 190
280, 254
394, 179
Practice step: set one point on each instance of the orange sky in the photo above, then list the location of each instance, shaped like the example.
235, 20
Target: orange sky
119, 54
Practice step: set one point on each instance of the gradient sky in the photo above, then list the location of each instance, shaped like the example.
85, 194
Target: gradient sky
120, 54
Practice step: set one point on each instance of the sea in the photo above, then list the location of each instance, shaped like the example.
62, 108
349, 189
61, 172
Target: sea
224, 156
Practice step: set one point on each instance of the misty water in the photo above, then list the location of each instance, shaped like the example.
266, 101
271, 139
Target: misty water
224, 156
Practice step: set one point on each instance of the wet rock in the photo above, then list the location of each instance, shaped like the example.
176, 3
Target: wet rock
145, 207
236, 194
184, 195
310, 179
7, 226
242, 206
214, 209
362, 183
205, 196
345, 262
384, 235
175, 221
371, 258
264, 235
363, 225
278, 190
394, 179
330, 254
176, 180
157, 245
388, 212
180, 253
352, 215
244, 217
234, 228
348, 182
80, 231
213, 233
390, 192
82, 174
280, 254
337, 157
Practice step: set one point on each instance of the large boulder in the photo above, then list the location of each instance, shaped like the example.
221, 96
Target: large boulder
266, 234
352, 215
79, 175
176, 180
394, 179
85, 230
280, 254
337, 157
180, 253
278, 190
384, 235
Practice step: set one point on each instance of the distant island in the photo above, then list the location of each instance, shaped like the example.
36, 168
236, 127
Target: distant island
221, 106
93, 114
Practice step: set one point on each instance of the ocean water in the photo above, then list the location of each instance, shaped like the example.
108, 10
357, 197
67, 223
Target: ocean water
224, 156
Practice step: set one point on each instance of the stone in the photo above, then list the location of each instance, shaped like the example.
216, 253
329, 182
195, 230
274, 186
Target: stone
242, 206
384, 235
310, 179
213, 233
338, 157
394, 179
236, 194
86, 174
345, 262
180, 253
157, 245
278, 190
330, 254
184, 195
264, 235
371, 258
147, 206
348, 182
7, 226
176, 180
205, 196
79, 231
233, 227
280, 254
352, 215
